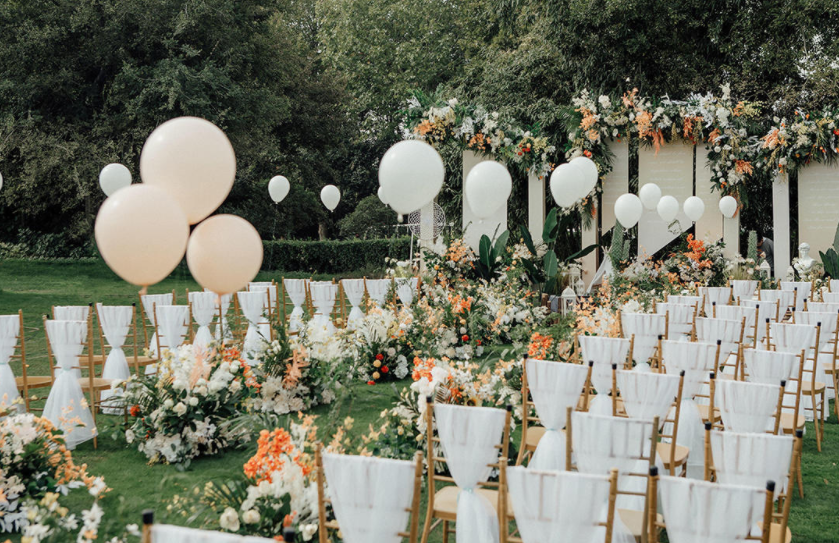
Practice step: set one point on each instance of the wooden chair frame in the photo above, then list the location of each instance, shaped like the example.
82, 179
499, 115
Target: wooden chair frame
25, 382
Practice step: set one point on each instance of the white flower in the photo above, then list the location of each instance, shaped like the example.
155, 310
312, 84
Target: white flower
129, 436
179, 409
168, 404
97, 487
251, 516
235, 386
193, 401
308, 531
229, 520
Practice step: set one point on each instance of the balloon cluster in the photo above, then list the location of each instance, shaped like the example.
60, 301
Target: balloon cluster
628, 208
573, 181
187, 166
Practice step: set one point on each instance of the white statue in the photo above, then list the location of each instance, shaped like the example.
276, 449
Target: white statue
804, 262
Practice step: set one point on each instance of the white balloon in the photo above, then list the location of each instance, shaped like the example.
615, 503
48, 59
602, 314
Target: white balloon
650, 194
330, 196
728, 206
382, 194
567, 183
114, 177
1, 181
412, 173
628, 210
590, 174
694, 208
278, 188
668, 208
487, 187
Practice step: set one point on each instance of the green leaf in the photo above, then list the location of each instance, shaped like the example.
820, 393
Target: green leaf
501, 242
536, 276
484, 250
551, 264
550, 230
581, 253
525, 235
836, 239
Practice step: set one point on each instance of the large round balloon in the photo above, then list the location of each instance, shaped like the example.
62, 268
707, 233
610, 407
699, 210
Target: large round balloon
412, 173
487, 188
192, 160
278, 188
650, 194
567, 184
114, 177
628, 210
330, 196
694, 208
668, 208
382, 194
1, 181
728, 207
224, 253
141, 232
590, 174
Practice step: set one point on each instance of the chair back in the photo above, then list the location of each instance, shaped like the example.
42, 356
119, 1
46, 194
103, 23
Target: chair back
11, 340
728, 333
714, 296
802, 290
743, 289
749, 407
680, 318
172, 325
739, 313
644, 330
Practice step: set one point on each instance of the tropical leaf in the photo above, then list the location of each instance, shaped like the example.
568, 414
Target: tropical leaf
501, 242
550, 229
582, 252
551, 264
528, 240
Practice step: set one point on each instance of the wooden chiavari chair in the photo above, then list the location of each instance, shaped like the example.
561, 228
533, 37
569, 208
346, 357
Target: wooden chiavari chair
25, 382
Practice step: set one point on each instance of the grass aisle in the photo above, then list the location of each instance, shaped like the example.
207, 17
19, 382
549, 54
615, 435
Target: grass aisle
36, 286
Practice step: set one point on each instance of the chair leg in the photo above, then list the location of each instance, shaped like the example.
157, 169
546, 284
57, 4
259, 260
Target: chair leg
816, 420
426, 527
445, 531
799, 479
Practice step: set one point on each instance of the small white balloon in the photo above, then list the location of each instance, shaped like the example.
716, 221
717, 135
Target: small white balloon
382, 194
412, 173
1, 181
728, 206
650, 194
278, 188
487, 187
330, 196
694, 208
628, 210
567, 183
590, 174
668, 208
114, 177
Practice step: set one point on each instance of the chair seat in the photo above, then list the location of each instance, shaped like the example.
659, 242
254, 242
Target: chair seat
445, 501
703, 411
775, 534
534, 435
34, 382
97, 359
679, 458
98, 383
787, 422
143, 360
807, 387
634, 521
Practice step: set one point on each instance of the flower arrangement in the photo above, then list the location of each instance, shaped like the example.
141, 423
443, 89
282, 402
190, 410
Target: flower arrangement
184, 410
382, 344
694, 262
791, 144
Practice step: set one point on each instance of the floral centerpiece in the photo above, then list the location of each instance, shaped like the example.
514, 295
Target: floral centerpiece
382, 342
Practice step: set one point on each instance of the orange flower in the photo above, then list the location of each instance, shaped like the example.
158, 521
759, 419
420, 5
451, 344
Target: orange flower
424, 127
273, 450
743, 166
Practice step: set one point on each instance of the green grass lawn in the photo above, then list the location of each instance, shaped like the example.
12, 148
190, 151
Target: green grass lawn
35, 286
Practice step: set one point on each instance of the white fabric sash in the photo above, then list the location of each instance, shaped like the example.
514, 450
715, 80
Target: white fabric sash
203, 310
743, 289
270, 302
746, 407
167, 533
647, 395
222, 310
252, 305
149, 303
689, 300
354, 291
377, 289
679, 319
405, 288
715, 295
9, 332
727, 332
802, 291
604, 352
71, 312
323, 298
296, 290
115, 321
646, 329
785, 299
765, 310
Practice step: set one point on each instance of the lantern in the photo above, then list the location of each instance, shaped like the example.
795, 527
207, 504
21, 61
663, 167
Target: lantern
568, 301
765, 270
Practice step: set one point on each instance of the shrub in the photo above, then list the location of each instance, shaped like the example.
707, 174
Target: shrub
331, 256
370, 219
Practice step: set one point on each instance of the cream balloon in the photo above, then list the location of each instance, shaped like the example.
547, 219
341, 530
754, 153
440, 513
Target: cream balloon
382, 194
590, 174
412, 173
1, 181
668, 208
114, 177
141, 232
694, 208
191, 159
487, 188
330, 196
566, 184
628, 210
728, 207
650, 194
224, 253
278, 188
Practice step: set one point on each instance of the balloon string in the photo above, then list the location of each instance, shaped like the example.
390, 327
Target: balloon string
144, 290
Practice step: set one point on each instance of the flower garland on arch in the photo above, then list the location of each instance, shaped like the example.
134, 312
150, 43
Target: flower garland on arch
790, 145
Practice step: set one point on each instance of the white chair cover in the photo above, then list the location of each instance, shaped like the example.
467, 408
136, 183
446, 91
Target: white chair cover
793, 338
769, 367
785, 299
71, 312
167, 533
715, 295
746, 407
704, 512
743, 289
679, 319
555, 386
172, 325
554, 507
802, 290
354, 291
830, 297
697, 361
738, 313
604, 352
266, 285
269, 301
766, 309
9, 332
323, 298
727, 332
371, 496
252, 304
378, 289
115, 321
203, 310
681, 299
823, 307
222, 310
469, 436
834, 285
405, 288
149, 302
827, 334
296, 290
647, 395
646, 328
66, 406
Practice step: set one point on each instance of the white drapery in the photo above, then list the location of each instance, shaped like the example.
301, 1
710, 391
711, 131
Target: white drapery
829, 297
727, 332
149, 303
203, 310
221, 310
172, 325
296, 290
738, 313
405, 289
802, 291
766, 309
252, 305
827, 334
71, 312
555, 386
679, 319
323, 298
647, 395
743, 289
555, 507
469, 436
746, 407
681, 299
794, 338
354, 291
167, 533
646, 329
715, 295
823, 307
604, 352
270, 302
768, 367
371, 496
785, 299
377, 289
115, 321
66, 406
9, 332
704, 512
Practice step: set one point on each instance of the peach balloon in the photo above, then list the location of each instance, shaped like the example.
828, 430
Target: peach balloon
224, 253
141, 232
191, 159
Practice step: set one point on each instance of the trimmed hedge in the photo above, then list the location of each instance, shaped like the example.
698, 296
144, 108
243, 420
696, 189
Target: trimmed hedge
333, 256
